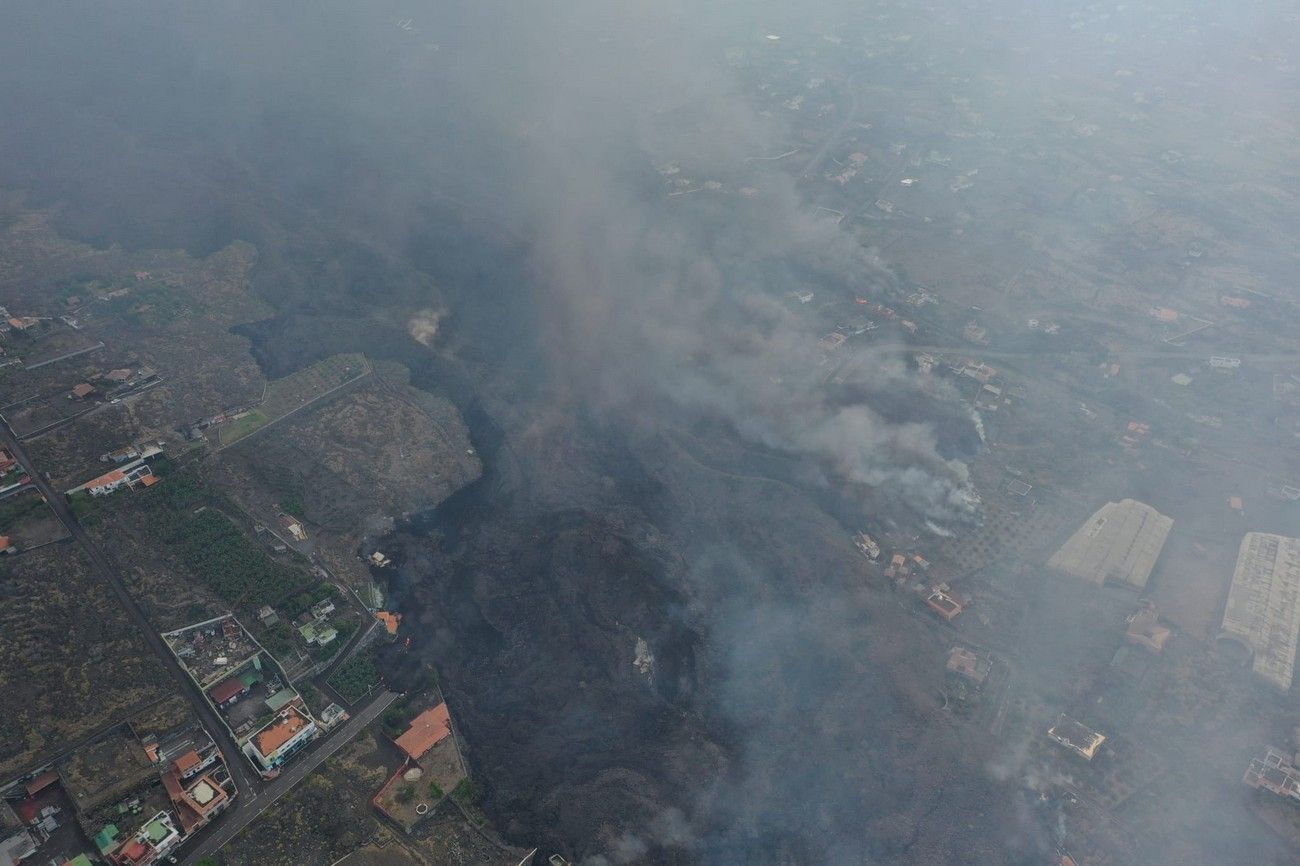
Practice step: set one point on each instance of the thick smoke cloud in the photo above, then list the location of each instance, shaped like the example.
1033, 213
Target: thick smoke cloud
333, 133
694, 312
688, 299
547, 120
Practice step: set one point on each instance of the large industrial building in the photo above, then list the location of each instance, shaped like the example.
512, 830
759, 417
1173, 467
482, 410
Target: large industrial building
1120, 543
1263, 611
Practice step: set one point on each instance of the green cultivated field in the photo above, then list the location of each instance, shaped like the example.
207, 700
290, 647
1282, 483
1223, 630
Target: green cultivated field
285, 396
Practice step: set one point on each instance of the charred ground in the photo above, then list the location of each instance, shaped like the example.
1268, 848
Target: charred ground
532, 587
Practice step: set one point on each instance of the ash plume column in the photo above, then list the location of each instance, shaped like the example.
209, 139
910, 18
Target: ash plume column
686, 303
547, 120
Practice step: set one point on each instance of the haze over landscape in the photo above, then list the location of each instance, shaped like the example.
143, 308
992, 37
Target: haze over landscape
823, 433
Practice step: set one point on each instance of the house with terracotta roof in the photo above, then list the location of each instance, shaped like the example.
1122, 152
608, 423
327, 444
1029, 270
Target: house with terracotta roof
81, 391
944, 604
390, 620
129, 475
106, 483
187, 764
197, 801
134, 853
427, 730
274, 744
969, 664
41, 782
228, 691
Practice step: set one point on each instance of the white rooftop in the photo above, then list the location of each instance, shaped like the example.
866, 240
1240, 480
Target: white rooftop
1120, 542
1263, 609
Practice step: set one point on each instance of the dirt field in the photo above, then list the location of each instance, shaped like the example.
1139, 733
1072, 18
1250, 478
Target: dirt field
70, 663
165, 716
405, 803
292, 393
28, 521
447, 839
373, 855
329, 816
106, 770
324, 818
354, 462
170, 595
161, 311
379, 451
442, 766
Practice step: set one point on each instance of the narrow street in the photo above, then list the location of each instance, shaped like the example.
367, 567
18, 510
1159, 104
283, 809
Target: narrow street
255, 795
245, 811
240, 769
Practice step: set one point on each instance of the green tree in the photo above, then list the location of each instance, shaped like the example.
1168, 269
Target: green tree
467, 792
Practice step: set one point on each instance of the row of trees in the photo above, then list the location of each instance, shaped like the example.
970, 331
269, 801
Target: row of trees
212, 546
355, 677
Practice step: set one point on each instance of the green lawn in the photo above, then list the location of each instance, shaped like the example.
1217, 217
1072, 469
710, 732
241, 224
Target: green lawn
294, 391
235, 430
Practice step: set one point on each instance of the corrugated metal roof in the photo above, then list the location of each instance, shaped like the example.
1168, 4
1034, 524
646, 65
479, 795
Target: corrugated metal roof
280, 699
1263, 609
1120, 542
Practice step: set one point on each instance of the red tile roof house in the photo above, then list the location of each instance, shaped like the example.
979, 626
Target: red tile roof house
197, 804
944, 604
228, 691
186, 763
427, 730
132, 853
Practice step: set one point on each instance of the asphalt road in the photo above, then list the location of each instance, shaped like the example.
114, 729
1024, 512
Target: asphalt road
834, 138
360, 635
240, 769
255, 795
246, 809
974, 351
